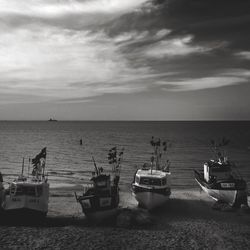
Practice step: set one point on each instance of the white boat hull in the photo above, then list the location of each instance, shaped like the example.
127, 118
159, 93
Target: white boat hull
151, 188
25, 202
150, 200
227, 196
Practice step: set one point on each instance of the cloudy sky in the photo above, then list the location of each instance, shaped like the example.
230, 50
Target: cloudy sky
124, 59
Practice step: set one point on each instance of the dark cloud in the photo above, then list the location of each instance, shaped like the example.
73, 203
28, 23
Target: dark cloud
133, 58
213, 19
220, 26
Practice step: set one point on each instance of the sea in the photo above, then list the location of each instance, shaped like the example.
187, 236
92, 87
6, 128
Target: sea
68, 163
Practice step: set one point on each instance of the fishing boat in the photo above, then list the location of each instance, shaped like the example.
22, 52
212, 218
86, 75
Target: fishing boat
100, 198
151, 185
29, 195
220, 178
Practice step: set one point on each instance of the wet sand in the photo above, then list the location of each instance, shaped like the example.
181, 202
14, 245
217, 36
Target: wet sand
186, 221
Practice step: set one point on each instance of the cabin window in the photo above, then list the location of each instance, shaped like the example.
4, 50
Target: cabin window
164, 182
29, 191
26, 190
137, 179
220, 174
101, 184
12, 189
150, 181
39, 190
19, 190
144, 181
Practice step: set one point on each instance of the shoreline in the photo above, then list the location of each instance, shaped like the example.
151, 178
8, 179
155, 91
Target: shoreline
186, 221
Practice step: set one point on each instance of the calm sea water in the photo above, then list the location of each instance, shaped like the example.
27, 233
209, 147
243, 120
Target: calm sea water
69, 163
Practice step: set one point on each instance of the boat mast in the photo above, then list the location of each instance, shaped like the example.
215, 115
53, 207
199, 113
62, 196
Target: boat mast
44, 169
22, 167
152, 162
96, 169
159, 149
29, 168
157, 152
115, 158
218, 149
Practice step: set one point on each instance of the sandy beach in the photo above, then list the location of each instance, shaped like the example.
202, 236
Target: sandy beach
187, 221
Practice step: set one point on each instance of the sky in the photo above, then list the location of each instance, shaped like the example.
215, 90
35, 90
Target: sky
124, 60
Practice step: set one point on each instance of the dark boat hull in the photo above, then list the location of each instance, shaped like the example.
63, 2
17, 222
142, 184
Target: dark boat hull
233, 193
100, 206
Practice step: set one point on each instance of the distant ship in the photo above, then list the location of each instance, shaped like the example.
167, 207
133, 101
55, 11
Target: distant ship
52, 120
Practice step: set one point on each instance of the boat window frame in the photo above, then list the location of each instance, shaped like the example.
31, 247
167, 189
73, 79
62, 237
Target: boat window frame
150, 181
164, 181
18, 190
137, 179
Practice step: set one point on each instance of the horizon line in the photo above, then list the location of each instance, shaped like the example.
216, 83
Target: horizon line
195, 120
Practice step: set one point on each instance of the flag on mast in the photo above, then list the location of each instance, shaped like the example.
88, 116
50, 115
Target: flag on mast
39, 162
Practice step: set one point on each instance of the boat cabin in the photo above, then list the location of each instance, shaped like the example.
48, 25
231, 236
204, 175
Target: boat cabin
101, 181
216, 170
17, 189
145, 178
150, 181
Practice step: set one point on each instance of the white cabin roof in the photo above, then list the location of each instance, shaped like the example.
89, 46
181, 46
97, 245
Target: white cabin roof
153, 174
28, 182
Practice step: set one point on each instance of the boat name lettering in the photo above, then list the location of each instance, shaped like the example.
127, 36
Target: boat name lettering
227, 185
